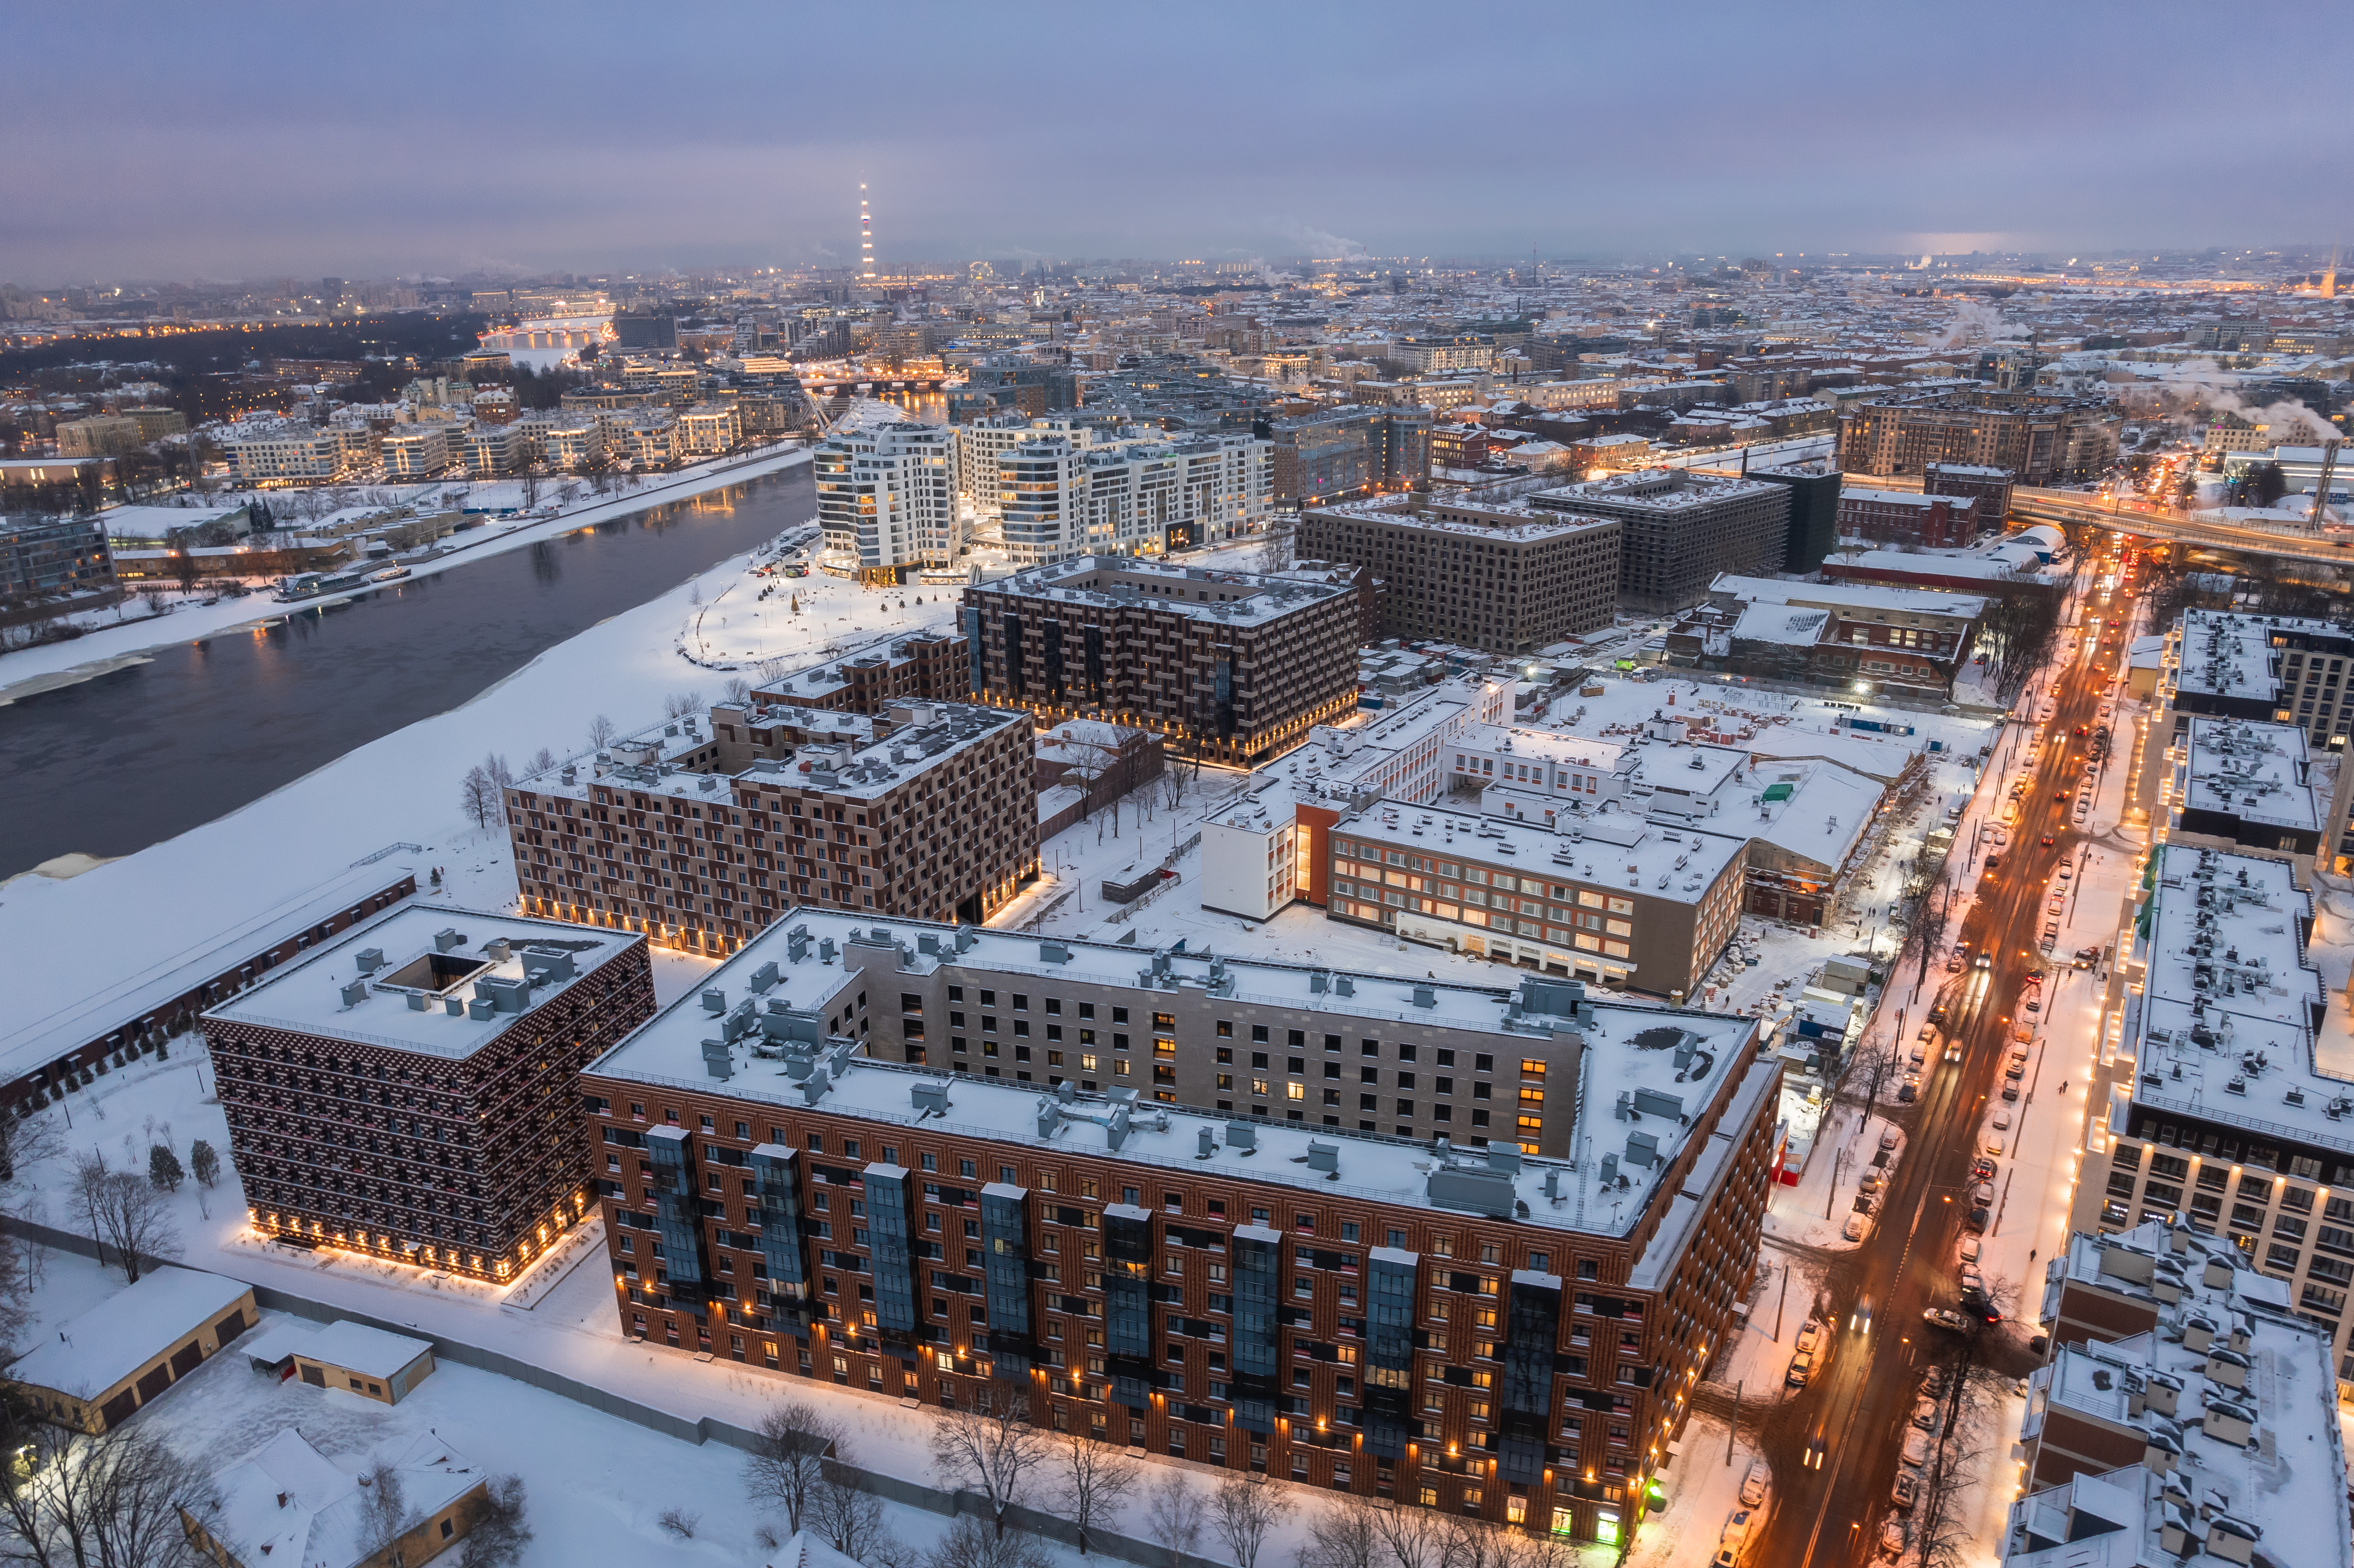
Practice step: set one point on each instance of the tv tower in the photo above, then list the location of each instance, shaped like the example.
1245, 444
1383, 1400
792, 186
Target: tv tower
866, 237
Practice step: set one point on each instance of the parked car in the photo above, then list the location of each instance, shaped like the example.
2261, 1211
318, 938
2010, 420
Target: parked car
1736, 1529
1982, 1193
1977, 1220
1945, 1318
1904, 1492
1754, 1484
1906, 1094
1870, 1181
1889, 1139
1973, 1283
1916, 1449
1924, 1414
1968, 1250
1858, 1226
2011, 1091
1811, 1337
1991, 1143
2000, 1122
1893, 1539
1982, 1169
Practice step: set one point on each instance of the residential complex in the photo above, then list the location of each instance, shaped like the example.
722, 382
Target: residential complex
1063, 491
700, 837
1246, 1269
887, 497
2187, 1415
2037, 439
2215, 1106
1238, 664
1506, 577
1350, 453
1683, 529
407, 1090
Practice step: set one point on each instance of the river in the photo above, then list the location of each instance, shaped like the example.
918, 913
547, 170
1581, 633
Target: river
110, 766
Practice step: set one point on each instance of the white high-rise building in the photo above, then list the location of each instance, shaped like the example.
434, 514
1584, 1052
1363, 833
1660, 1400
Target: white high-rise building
887, 497
1070, 492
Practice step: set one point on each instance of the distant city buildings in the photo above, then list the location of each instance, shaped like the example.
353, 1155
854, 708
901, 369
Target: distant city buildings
2037, 439
1851, 637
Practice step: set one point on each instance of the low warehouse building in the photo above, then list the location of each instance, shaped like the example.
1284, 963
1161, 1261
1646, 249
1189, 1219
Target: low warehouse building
126, 1350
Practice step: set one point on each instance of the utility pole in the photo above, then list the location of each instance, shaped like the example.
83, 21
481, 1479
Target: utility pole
1736, 1426
1785, 1302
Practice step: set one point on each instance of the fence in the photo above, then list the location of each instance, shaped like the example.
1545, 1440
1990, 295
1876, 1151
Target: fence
700, 1431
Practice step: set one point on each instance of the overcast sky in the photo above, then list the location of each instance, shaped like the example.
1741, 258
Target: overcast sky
232, 141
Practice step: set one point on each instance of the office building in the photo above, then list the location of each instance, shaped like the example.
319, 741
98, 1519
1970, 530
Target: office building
1683, 530
1234, 665
1505, 576
405, 1089
1247, 1268
2037, 439
1814, 490
1268, 847
886, 498
1856, 637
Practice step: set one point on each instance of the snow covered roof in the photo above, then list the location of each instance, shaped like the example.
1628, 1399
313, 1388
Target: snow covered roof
123, 1333
1823, 817
1853, 598
275, 1343
2230, 1003
2255, 772
1202, 593
2240, 1395
1782, 624
1686, 1056
427, 977
371, 1352
53, 1009
290, 1505
1611, 847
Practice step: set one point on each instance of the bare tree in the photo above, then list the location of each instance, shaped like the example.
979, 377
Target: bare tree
847, 1515
1417, 1537
1277, 550
679, 705
24, 1140
126, 1212
969, 1543
601, 731
71, 1497
1096, 1479
541, 761
478, 796
384, 1516
993, 1451
788, 1448
496, 1532
1346, 1534
1174, 1516
1244, 1510
737, 691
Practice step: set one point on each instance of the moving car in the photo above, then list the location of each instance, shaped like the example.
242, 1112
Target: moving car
2047, 841
1860, 1318
1985, 960
1953, 1051
1992, 860
1982, 1169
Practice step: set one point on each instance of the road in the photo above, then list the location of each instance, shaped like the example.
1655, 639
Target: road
1856, 1413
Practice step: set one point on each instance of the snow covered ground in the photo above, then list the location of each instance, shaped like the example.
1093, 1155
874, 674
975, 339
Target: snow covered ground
116, 640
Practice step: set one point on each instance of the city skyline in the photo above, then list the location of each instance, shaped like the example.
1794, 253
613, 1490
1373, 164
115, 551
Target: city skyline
1533, 134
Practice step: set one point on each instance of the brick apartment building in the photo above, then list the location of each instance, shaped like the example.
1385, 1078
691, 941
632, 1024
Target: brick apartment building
1506, 578
1908, 517
698, 837
407, 1090
1683, 529
930, 667
2037, 439
1352, 452
1491, 1332
1988, 487
1237, 664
